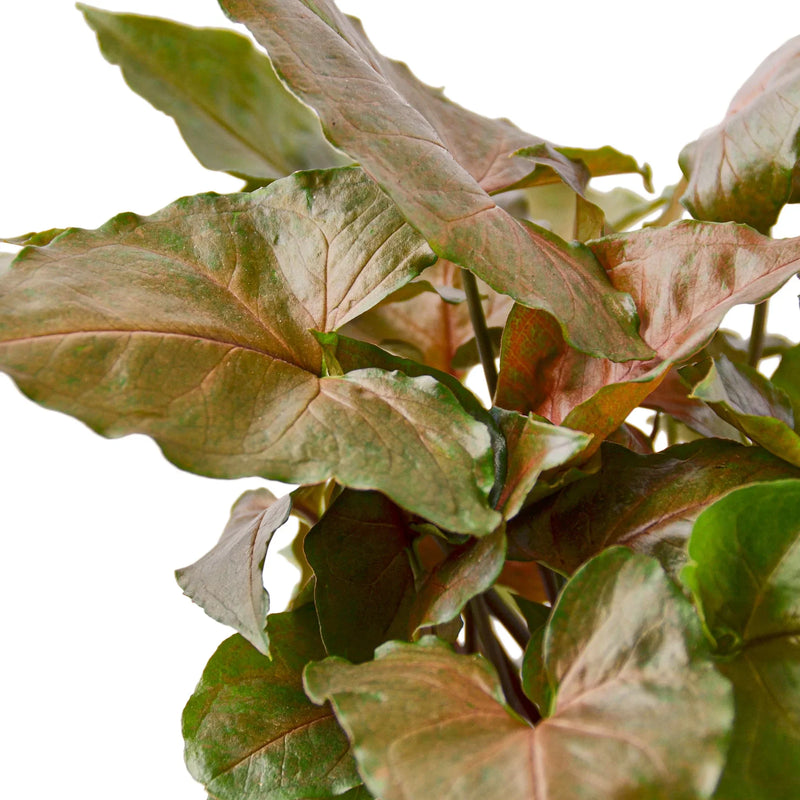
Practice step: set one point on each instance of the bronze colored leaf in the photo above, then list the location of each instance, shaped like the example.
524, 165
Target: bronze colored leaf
437, 162
683, 278
645, 502
743, 169
193, 326
622, 647
227, 581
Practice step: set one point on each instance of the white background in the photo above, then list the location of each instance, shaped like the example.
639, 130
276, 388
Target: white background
100, 649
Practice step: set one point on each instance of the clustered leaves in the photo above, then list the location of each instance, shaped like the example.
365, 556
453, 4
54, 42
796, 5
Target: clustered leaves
316, 328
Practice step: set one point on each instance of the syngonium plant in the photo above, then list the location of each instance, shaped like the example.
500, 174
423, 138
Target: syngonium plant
316, 327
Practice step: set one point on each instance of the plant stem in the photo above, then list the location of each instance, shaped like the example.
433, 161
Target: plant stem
756, 347
551, 583
482, 339
656, 427
491, 649
507, 618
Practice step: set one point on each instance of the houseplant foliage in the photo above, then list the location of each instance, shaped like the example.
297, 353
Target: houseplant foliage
316, 328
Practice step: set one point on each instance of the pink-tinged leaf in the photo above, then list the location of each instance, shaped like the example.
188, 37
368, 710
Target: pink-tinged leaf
747, 400
533, 447
425, 722
645, 502
427, 327
437, 162
683, 278
227, 581
250, 730
194, 327
743, 169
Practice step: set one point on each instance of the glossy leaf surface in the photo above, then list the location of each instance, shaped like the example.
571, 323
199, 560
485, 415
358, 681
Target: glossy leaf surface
231, 109
252, 734
745, 576
683, 278
193, 326
227, 581
646, 502
426, 722
429, 154
743, 169
787, 378
750, 402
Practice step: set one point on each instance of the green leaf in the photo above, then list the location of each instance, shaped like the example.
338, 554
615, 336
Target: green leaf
429, 154
229, 105
227, 581
745, 576
366, 590
533, 447
359, 554
742, 169
426, 722
250, 731
646, 502
596, 162
193, 326
683, 278
744, 398
787, 378
427, 327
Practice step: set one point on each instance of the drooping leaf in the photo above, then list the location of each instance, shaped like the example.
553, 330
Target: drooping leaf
743, 169
745, 576
366, 590
426, 722
426, 327
744, 398
229, 105
533, 447
683, 278
596, 162
646, 502
429, 155
227, 581
250, 731
193, 326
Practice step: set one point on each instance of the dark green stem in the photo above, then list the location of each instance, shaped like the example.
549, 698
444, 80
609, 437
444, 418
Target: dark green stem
551, 582
512, 622
482, 339
492, 650
757, 332
656, 428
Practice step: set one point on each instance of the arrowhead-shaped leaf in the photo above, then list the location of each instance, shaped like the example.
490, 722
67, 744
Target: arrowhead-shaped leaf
745, 576
533, 447
743, 169
426, 722
426, 327
366, 590
229, 105
646, 502
429, 155
193, 326
683, 278
250, 731
227, 581
744, 398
